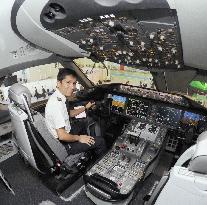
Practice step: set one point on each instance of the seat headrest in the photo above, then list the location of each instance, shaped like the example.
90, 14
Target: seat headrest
17, 93
198, 161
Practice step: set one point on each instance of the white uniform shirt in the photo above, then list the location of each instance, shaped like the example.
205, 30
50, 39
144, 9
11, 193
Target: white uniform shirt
56, 113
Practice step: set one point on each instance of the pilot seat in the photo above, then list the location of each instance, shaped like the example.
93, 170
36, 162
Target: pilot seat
187, 181
39, 148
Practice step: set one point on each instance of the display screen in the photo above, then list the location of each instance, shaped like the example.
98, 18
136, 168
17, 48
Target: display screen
191, 118
118, 101
168, 116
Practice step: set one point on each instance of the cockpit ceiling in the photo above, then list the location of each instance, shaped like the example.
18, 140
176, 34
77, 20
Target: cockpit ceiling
148, 38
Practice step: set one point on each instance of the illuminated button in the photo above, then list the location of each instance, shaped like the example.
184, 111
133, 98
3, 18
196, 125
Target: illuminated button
111, 23
152, 36
159, 48
162, 38
142, 43
83, 42
173, 50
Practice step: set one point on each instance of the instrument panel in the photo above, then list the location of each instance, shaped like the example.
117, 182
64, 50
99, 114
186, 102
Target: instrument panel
137, 149
128, 161
168, 116
138, 108
156, 112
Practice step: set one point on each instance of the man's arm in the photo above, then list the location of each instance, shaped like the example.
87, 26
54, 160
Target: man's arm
76, 112
67, 137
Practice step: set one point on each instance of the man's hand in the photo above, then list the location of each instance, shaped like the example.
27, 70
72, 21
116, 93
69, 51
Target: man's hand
86, 139
89, 105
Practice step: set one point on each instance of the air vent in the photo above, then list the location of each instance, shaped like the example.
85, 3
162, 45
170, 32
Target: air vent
53, 12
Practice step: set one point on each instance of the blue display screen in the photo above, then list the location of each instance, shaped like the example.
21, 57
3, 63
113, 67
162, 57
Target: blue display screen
189, 116
118, 101
119, 98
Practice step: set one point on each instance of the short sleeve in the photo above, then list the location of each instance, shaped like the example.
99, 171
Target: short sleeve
57, 116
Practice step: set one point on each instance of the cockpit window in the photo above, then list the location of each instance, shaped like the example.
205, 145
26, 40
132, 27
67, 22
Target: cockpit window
198, 91
38, 73
40, 80
108, 72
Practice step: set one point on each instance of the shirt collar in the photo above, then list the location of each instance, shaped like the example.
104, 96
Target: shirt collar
60, 95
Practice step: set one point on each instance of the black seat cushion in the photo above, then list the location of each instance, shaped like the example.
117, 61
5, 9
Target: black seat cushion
4, 116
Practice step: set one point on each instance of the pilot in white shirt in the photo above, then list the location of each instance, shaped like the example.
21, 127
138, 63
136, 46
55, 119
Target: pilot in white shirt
58, 120
56, 113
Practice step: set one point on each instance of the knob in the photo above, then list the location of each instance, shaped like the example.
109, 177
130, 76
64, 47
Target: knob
50, 15
117, 147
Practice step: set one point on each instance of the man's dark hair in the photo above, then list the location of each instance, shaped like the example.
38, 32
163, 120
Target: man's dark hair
63, 72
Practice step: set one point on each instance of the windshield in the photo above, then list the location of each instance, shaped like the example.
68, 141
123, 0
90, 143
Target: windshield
41, 80
108, 72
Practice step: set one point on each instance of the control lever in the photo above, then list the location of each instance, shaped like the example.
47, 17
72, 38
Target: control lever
106, 181
105, 185
141, 147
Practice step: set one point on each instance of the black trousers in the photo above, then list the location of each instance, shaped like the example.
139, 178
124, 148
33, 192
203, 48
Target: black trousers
79, 128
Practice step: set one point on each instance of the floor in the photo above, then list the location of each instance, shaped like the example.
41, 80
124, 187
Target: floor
29, 189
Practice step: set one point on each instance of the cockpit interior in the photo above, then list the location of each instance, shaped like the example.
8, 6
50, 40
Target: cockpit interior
143, 65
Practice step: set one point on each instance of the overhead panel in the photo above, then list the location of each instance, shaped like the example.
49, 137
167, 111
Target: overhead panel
140, 34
